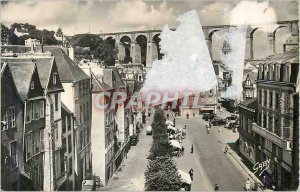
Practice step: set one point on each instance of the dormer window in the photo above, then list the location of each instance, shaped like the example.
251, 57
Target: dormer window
32, 85
54, 78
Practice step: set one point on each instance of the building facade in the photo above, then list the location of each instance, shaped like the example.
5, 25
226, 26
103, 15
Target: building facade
247, 139
277, 84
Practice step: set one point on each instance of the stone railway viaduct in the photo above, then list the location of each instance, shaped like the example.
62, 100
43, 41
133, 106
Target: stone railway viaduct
143, 46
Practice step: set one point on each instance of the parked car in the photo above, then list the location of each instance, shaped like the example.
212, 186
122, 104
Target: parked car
98, 182
88, 185
232, 117
218, 121
149, 130
207, 116
231, 125
133, 140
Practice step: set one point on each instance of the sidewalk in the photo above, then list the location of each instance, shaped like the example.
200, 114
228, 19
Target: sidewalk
130, 174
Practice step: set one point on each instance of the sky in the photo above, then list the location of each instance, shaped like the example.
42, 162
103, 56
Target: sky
98, 16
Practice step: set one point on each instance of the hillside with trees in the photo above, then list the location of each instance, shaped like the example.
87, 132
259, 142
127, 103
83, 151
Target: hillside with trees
8, 35
92, 46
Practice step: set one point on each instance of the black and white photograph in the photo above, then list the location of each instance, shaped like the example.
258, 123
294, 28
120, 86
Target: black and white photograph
149, 95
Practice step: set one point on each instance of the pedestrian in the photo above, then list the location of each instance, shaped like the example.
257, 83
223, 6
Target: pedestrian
174, 121
185, 125
209, 124
182, 150
256, 186
192, 148
219, 129
208, 129
226, 149
216, 187
248, 185
191, 172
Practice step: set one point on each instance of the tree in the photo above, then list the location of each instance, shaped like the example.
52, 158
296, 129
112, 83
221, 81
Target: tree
59, 32
4, 33
161, 175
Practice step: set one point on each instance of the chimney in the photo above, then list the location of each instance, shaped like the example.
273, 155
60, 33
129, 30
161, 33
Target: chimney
71, 53
42, 45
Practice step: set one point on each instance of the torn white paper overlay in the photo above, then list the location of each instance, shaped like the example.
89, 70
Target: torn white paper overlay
234, 60
186, 64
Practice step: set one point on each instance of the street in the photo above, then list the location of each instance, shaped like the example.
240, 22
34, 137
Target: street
210, 164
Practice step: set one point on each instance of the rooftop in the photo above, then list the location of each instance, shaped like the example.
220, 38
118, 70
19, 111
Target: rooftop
251, 103
24, 70
68, 69
288, 57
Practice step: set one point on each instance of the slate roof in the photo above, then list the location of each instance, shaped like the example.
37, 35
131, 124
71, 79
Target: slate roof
65, 109
43, 65
22, 74
291, 56
251, 103
68, 69
118, 80
99, 86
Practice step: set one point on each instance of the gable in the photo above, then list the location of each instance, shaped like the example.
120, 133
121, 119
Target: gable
37, 89
54, 83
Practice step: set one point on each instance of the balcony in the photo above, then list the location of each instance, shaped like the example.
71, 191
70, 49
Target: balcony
267, 134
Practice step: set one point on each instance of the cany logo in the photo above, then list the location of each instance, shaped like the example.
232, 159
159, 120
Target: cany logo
261, 166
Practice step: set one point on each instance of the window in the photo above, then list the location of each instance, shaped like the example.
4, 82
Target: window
83, 88
31, 111
64, 145
11, 117
29, 146
87, 87
79, 89
69, 143
56, 131
62, 163
37, 141
42, 140
69, 123
84, 112
268, 145
265, 98
63, 124
14, 153
32, 85
28, 112
259, 96
81, 115
57, 163
36, 110
56, 102
87, 111
277, 101
5, 118
70, 166
42, 109
271, 99
54, 78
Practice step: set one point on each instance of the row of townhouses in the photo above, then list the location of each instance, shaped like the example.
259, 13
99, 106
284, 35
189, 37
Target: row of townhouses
269, 121
53, 137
